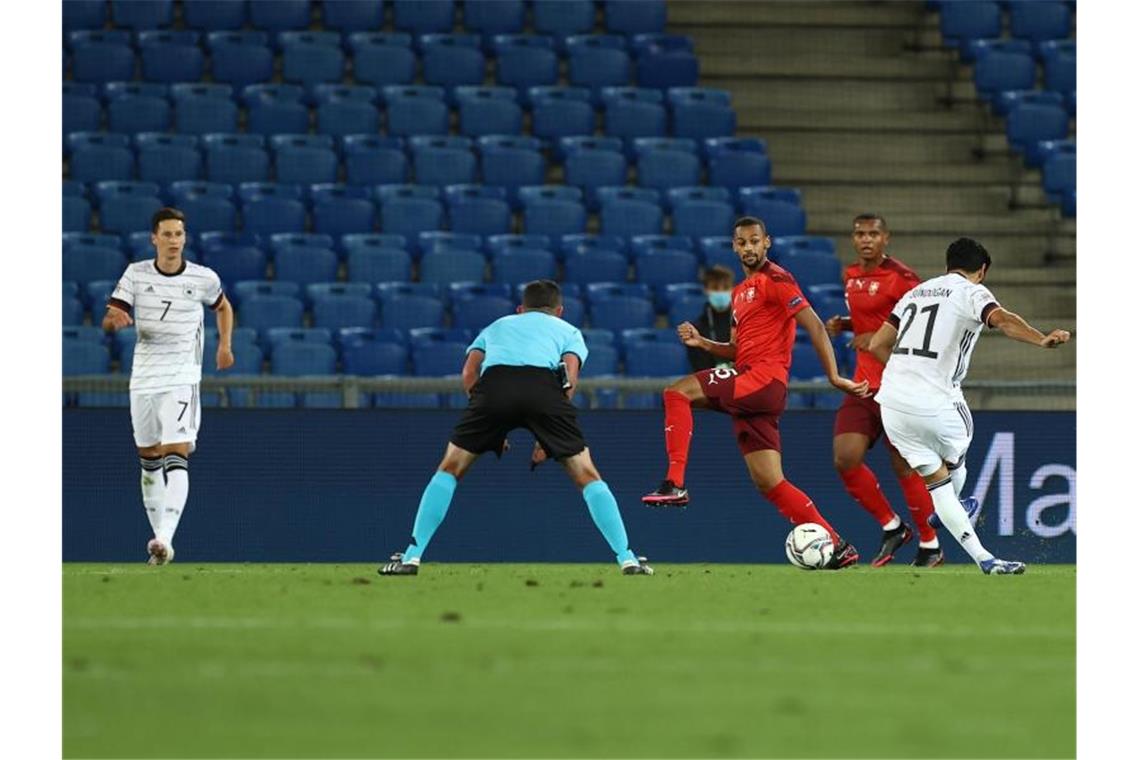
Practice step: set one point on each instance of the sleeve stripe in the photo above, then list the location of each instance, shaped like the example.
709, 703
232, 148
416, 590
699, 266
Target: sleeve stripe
218, 303
987, 310
894, 320
119, 304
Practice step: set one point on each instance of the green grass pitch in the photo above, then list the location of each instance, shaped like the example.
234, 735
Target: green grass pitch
567, 661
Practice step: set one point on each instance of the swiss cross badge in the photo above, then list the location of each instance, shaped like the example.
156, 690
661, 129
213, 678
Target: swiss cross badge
750, 295
874, 288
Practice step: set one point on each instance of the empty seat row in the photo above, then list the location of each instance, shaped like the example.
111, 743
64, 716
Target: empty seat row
1007, 65
1033, 23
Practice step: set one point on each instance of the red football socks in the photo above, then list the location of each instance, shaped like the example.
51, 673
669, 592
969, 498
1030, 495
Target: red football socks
921, 507
795, 505
678, 434
864, 488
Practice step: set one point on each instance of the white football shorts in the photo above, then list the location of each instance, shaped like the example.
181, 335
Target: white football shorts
166, 417
925, 442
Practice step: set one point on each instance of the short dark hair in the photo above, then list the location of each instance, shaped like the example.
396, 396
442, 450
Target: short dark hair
165, 214
968, 255
718, 274
870, 218
748, 221
542, 294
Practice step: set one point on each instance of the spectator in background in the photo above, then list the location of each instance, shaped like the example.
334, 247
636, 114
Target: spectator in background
715, 321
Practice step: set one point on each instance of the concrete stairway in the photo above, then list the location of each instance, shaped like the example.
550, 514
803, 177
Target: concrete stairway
864, 111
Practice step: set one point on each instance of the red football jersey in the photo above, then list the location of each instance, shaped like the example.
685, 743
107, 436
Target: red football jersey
870, 298
764, 307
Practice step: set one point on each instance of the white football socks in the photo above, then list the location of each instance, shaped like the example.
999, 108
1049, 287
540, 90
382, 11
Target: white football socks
955, 519
153, 485
177, 489
958, 478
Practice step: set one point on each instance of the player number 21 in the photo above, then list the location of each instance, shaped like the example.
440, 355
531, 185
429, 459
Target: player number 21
909, 313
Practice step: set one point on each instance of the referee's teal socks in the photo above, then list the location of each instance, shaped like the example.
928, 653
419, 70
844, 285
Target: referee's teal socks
433, 508
604, 509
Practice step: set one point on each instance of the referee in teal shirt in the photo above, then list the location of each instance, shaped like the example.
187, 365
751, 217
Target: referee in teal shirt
514, 378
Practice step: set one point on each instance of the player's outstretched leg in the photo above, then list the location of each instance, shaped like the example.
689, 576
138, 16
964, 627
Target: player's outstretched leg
921, 508
958, 480
434, 503
766, 470
953, 515
679, 399
176, 469
850, 450
604, 511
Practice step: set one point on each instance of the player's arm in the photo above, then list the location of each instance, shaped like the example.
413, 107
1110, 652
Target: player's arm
883, 341
837, 324
573, 368
471, 368
691, 337
117, 316
810, 321
224, 314
1013, 326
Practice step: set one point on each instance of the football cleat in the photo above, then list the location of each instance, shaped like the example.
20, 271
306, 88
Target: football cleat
668, 495
928, 557
844, 555
397, 566
640, 567
892, 540
995, 566
160, 553
970, 504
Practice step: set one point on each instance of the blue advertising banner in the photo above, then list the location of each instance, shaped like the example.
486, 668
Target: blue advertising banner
343, 486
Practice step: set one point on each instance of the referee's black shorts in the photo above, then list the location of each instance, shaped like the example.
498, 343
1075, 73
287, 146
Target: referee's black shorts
506, 398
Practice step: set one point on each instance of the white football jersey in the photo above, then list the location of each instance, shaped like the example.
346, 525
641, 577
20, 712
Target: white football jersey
938, 323
167, 310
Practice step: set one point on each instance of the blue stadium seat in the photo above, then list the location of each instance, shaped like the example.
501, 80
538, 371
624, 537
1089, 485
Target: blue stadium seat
127, 207
678, 195
812, 268
561, 112
171, 56
305, 159
74, 189
76, 214
701, 113
961, 22
412, 113
734, 168
349, 243
299, 359
712, 146
84, 14
240, 292
262, 312
84, 264
496, 244
81, 357
553, 210
84, 334
97, 59
595, 337
439, 359
72, 311
379, 59
450, 60
208, 205
665, 169
686, 308
563, 17
374, 357
632, 112
783, 245
81, 109
443, 161
1040, 21
591, 242
1061, 73
279, 15
407, 210
406, 312
596, 266
234, 261
478, 210
270, 208
717, 250
699, 218
305, 264
640, 245
337, 311
488, 111
590, 169
318, 290
780, 216
71, 239
662, 69
236, 158
214, 14
419, 17
137, 108
523, 265
378, 264
642, 146
443, 266
240, 58
635, 16
353, 15
276, 337
276, 109
524, 61
629, 211
1008, 101
1050, 49
342, 209
595, 64
283, 240
100, 156
621, 312
997, 71
511, 167
204, 108
309, 58
478, 312
656, 359
459, 291
347, 110
1059, 173
494, 17
1029, 124
602, 360
166, 158
661, 268
374, 160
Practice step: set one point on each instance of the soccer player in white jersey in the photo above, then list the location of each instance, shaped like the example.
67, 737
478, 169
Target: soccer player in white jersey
926, 344
165, 295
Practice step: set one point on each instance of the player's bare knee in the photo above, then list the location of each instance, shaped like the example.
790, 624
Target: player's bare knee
846, 459
581, 469
456, 461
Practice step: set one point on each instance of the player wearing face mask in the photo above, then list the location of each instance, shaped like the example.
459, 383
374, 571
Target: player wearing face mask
715, 319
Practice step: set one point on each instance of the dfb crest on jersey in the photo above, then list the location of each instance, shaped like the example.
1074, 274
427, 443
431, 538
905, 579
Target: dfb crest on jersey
188, 292
874, 287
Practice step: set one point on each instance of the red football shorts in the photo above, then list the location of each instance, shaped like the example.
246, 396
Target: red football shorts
755, 401
860, 415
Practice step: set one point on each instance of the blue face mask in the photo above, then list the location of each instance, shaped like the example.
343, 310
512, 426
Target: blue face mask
720, 299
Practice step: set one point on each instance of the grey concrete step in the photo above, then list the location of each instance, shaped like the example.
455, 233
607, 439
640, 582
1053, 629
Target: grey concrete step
970, 225
875, 120
840, 93
841, 146
927, 253
906, 200
820, 63
687, 13
1000, 357
963, 172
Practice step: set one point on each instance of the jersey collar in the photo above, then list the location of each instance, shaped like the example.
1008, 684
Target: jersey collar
181, 269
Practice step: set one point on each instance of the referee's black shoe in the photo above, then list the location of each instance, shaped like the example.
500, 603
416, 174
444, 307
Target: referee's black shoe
928, 557
397, 566
641, 567
892, 541
668, 495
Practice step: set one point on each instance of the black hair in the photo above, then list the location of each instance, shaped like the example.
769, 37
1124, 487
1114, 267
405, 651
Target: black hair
748, 221
542, 294
968, 255
166, 214
870, 218
718, 273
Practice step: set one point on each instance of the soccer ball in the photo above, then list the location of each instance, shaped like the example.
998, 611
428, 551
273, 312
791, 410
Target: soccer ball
809, 546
